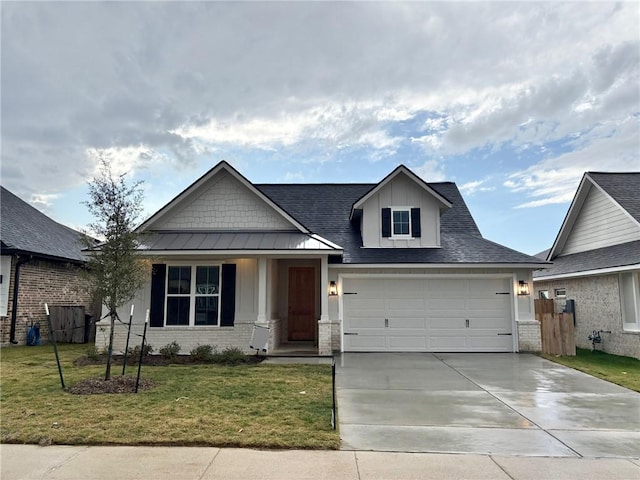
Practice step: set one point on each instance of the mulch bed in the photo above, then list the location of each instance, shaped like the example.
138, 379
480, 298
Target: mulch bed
117, 384
153, 360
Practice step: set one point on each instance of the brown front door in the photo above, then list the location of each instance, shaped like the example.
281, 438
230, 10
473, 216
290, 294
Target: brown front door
302, 302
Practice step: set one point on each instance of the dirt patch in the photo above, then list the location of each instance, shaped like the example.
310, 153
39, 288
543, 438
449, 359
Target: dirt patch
117, 384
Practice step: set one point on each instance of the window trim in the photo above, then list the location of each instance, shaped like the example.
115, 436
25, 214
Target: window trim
558, 295
192, 295
401, 235
633, 327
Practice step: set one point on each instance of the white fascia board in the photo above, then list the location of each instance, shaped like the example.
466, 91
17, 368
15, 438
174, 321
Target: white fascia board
400, 169
532, 266
570, 217
588, 273
252, 253
328, 243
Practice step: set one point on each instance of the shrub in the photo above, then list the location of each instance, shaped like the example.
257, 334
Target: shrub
92, 352
231, 356
203, 353
170, 350
133, 354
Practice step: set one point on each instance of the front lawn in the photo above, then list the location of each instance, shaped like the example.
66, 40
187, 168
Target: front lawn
252, 405
624, 371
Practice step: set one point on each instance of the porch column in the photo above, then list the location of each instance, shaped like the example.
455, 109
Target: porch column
262, 290
324, 285
324, 324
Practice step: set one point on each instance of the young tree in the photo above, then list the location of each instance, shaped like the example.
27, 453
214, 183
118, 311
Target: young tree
115, 267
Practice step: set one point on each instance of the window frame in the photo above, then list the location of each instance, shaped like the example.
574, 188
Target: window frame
401, 235
633, 302
192, 295
560, 295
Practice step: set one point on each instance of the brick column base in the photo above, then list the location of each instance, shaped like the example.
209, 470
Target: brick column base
324, 337
529, 336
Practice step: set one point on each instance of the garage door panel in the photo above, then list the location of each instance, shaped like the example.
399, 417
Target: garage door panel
416, 323
363, 323
369, 343
407, 343
448, 344
397, 304
447, 323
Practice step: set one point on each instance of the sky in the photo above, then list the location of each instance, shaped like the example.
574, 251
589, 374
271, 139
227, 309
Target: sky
513, 101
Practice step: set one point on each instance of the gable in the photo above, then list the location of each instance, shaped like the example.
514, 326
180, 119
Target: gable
600, 222
223, 203
400, 192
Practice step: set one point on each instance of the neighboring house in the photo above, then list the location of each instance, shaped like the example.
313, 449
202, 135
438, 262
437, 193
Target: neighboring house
395, 266
596, 262
40, 263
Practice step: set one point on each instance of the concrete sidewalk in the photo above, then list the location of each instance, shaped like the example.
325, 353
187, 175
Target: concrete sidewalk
27, 462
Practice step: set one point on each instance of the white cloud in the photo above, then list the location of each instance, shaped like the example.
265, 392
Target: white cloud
474, 186
554, 180
159, 85
431, 171
43, 202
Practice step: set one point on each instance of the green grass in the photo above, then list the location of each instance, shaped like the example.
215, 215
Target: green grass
258, 406
624, 371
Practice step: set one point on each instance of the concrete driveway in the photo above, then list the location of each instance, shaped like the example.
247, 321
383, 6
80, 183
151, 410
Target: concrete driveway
499, 404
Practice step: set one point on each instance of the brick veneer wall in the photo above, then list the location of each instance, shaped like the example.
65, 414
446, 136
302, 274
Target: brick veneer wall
597, 308
42, 281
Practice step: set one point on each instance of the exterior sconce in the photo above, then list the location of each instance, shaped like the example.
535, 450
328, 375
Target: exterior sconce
523, 288
333, 289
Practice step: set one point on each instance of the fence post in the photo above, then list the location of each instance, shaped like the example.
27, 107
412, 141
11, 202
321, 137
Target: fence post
126, 348
144, 337
52, 337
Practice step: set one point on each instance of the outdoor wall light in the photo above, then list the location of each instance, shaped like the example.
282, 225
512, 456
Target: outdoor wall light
333, 289
523, 288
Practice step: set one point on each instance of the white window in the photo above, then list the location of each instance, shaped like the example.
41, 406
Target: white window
543, 294
401, 222
560, 293
193, 295
630, 300
5, 275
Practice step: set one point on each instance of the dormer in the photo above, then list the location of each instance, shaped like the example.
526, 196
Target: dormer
402, 211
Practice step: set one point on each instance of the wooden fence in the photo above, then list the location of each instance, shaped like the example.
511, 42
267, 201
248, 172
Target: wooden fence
557, 330
68, 324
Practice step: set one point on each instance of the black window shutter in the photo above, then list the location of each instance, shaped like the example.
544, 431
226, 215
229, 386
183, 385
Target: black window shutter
416, 231
386, 222
228, 295
156, 309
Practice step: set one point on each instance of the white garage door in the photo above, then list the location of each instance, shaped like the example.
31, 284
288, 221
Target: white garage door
427, 315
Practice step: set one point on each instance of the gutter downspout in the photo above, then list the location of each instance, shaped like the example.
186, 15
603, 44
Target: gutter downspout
14, 302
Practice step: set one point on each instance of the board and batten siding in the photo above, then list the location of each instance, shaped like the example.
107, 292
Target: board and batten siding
600, 223
401, 192
224, 204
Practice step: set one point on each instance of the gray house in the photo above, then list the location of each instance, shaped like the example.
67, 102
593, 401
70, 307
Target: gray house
395, 266
596, 262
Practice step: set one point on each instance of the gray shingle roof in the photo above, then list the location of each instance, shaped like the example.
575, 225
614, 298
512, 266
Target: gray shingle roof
606, 257
623, 187
24, 229
324, 209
